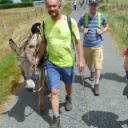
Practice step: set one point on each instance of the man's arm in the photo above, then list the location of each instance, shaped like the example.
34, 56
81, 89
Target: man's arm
79, 46
80, 52
82, 30
105, 28
41, 51
81, 24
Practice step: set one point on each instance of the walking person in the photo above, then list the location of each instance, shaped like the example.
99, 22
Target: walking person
74, 4
90, 25
60, 63
81, 3
126, 60
84, 4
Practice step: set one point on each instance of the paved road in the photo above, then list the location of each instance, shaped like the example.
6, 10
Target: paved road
109, 110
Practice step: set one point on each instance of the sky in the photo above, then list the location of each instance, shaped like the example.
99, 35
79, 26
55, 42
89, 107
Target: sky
15, 1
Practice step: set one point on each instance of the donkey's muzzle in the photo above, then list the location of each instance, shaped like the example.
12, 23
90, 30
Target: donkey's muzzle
31, 82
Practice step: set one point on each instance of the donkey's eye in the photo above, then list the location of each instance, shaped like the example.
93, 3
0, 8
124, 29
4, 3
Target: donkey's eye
31, 46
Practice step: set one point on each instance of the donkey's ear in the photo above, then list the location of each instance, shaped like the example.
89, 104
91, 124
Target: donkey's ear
13, 46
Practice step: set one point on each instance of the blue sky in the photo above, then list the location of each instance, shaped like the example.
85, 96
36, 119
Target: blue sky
15, 1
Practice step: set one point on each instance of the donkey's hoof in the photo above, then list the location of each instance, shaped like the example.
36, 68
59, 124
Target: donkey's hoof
41, 108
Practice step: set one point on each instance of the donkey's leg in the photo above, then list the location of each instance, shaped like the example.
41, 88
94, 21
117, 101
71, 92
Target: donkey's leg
41, 104
47, 91
42, 91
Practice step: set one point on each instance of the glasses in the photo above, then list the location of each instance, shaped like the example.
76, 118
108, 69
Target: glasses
93, 5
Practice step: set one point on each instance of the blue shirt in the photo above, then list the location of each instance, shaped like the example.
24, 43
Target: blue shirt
92, 39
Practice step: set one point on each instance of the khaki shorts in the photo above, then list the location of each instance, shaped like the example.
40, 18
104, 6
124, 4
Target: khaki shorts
94, 57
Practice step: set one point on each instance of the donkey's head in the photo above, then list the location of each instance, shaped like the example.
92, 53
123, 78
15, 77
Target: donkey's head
26, 54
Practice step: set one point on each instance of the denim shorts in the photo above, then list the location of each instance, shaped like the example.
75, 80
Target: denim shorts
56, 74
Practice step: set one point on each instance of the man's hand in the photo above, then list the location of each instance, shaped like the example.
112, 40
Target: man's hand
85, 30
81, 65
37, 60
99, 31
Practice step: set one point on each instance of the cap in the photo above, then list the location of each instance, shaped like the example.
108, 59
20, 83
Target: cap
93, 1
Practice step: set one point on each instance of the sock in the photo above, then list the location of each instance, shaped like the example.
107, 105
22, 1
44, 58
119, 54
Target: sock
56, 114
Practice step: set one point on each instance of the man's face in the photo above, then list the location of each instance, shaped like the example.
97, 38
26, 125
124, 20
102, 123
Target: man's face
93, 8
53, 7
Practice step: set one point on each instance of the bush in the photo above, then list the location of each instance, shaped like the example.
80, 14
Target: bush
16, 5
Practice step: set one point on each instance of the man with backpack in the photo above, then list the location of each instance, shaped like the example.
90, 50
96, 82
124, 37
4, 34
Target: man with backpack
90, 25
60, 64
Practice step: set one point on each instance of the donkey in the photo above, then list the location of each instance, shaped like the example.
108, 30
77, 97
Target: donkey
34, 75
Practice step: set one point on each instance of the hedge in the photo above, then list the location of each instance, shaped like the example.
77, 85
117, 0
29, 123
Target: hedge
16, 5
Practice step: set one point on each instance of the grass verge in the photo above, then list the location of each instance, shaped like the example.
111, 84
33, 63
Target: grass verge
117, 21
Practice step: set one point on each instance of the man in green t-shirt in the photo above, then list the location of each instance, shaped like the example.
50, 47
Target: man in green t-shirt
60, 63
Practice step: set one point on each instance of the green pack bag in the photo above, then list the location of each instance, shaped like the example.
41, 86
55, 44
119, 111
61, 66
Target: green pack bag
99, 20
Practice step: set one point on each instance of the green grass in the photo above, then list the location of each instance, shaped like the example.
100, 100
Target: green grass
119, 1
9, 75
117, 21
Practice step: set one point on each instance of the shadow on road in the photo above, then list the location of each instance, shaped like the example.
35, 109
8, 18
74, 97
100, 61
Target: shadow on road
26, 104
114, 77
78, 79
125, 91
101, 119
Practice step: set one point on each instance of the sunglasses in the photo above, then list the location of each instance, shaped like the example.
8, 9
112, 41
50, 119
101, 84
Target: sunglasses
93, 5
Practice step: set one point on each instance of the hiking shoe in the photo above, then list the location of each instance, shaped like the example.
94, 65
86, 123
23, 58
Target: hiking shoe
68, 103
96, 90
56, 122
92, 75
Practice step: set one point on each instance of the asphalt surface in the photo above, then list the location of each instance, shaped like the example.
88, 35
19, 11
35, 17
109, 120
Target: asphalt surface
109, 110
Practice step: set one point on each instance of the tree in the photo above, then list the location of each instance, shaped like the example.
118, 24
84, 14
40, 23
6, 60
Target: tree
6, 1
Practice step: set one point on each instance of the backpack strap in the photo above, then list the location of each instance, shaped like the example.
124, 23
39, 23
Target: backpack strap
43, 26
87, 17
99, 20
70, 28
72, 34
86, 20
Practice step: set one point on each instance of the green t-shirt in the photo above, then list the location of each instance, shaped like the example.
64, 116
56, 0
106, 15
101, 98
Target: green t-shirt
58, 36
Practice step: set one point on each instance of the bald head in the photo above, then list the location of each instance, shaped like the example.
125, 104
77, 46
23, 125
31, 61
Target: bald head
49, 1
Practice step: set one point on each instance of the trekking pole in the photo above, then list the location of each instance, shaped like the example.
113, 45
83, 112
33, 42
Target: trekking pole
85, 99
